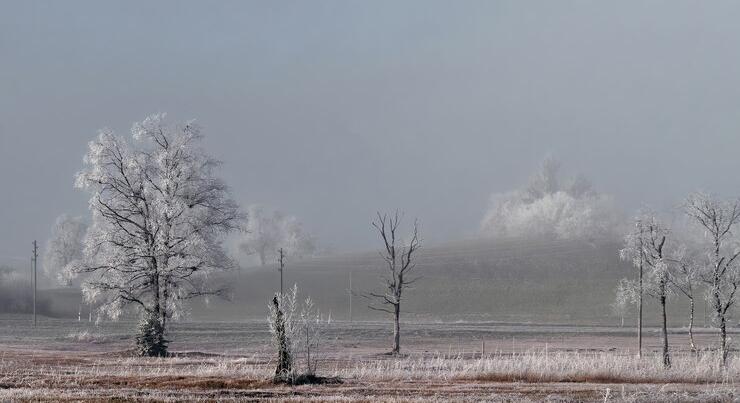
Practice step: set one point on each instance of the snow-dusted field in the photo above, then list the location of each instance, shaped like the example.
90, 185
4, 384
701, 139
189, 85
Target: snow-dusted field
62, 359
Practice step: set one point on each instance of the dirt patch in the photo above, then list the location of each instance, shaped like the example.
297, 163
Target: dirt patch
175, 382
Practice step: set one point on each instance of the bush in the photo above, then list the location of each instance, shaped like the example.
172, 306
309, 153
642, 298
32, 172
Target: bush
150, 341
295, 335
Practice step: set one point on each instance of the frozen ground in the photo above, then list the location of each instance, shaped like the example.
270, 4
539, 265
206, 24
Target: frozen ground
67, 360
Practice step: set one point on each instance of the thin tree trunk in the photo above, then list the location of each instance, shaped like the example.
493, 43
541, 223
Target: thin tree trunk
308, 353
639, 318
396, 329
691, 324
666, 354
723, 339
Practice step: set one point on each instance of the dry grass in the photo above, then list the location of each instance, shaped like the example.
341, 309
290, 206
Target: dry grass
539, 366
534, 376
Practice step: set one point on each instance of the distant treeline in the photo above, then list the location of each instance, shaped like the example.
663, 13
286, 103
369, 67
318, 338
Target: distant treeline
16, 293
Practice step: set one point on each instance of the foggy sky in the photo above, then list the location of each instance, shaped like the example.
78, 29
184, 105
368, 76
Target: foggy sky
330, 110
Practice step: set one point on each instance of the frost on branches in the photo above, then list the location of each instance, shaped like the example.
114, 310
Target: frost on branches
267, 232
64, 247
296, 332
546, 207
159, 214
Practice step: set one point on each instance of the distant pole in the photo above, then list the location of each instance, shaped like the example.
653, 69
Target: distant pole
282, 266
35, 259
350, 296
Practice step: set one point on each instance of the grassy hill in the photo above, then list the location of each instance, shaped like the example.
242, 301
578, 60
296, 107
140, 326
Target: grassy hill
502, 280
539, 281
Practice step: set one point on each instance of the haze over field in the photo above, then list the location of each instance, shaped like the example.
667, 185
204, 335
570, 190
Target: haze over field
332, 111
391, 200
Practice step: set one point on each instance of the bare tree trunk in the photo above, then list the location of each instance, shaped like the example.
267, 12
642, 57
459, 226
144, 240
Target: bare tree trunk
666, 354
639, 318
691, 324
285, 362
396, 328
723, 339
308, 353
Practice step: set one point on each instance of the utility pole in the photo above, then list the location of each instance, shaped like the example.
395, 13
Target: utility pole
350, 296
282, 266
34, 260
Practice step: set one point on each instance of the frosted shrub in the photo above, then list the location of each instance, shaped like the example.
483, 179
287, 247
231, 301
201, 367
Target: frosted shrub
150, 340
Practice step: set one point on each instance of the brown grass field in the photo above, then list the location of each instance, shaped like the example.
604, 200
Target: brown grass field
71, 361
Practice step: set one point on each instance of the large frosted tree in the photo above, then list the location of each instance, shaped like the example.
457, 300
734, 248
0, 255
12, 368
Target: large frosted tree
552, 208
159, 214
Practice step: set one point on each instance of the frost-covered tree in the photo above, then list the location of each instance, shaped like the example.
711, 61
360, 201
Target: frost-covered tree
64, 247
63, 250
626, 296
634, 252
549, 207
159, 214
685, 276
718, 219
268, 231
645, 247
400, 261
295, 329
658, 284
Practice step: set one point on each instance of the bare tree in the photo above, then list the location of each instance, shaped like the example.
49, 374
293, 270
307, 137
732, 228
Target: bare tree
399, 259
720, 271
159, 215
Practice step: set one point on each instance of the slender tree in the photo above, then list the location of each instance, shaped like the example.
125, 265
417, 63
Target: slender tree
655, 236
718, 219
645, 247
634, 252
399, 260
684, 277
159, 214
626, 295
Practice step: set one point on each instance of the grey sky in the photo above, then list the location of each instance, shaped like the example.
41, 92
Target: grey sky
331, 110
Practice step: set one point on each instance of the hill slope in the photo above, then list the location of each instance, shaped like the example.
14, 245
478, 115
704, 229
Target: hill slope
541, 281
